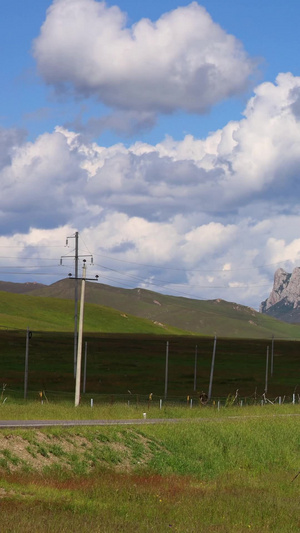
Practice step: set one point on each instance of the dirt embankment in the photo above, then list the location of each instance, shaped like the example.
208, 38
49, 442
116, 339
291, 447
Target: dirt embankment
80, 451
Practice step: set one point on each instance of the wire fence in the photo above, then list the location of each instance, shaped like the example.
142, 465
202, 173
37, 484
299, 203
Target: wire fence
143, 400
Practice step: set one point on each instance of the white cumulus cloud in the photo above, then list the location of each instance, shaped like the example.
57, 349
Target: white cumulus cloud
212, 215
184, 60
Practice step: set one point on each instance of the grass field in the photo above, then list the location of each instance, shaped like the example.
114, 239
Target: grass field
227, 470
115, 310
119, 363
17, 311
233, 472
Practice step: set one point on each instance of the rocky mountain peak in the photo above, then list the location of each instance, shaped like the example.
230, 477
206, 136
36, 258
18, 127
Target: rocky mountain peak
286, 290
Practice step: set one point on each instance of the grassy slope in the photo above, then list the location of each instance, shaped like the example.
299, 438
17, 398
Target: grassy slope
223, 476
54, 314
200, 317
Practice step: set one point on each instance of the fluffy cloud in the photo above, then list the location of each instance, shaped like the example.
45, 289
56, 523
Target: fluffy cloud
216, 215
182, 61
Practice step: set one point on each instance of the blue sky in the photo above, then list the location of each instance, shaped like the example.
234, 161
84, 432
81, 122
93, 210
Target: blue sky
268, 31
135, 134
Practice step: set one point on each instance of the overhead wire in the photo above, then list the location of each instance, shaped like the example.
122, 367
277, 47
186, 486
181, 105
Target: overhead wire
165, 284
191, 270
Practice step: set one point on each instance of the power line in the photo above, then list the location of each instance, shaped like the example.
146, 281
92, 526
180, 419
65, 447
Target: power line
56, 274
191, 270
29, 258
28, 266
22, 246
182, 284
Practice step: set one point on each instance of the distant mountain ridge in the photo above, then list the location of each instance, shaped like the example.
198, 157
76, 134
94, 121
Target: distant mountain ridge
202, 317
284, 300
20, 288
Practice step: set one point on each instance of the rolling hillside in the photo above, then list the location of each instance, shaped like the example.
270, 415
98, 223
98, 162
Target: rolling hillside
19, 311
164, 312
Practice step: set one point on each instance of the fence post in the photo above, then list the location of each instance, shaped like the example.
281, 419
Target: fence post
272, 356
195, 369
166, 369
267, 370
212, 368
26, 364
84, 368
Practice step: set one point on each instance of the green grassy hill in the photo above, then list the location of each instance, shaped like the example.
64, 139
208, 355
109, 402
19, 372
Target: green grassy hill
19, 311
210, 317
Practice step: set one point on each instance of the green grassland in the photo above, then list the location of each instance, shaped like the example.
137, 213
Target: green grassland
231, 471
17, 311
225, 319
128, 353
120, 363
216, 470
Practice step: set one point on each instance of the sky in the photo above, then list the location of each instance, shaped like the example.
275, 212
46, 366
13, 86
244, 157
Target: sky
166, 133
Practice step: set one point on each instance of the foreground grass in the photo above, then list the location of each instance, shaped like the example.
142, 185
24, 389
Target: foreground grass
34, 410
232, 503
223, 473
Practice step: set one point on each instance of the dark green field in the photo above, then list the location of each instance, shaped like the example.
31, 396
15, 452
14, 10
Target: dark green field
128, 353
117, 363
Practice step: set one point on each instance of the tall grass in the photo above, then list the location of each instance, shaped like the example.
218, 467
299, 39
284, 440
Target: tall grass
219, 474
125, 504
65, 410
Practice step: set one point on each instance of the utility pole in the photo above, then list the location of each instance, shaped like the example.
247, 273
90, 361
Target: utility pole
79, 350
76, 301
80, 332
76, 258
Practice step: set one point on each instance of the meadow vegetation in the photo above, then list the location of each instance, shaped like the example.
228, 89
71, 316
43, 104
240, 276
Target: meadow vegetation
228, 470
115, 310
118, 363
202, 469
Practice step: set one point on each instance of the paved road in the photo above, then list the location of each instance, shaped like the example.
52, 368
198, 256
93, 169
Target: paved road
47, 423
135, 421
